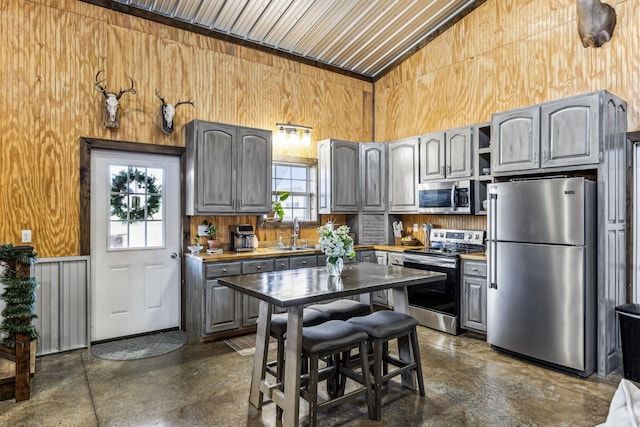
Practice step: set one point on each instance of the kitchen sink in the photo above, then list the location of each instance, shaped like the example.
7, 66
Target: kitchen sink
292, 248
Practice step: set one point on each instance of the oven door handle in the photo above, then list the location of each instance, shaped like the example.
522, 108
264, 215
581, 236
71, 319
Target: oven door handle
426, 264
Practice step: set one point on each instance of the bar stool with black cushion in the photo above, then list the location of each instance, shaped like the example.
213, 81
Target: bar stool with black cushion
278, 331
334, 339
382, 327
342, 309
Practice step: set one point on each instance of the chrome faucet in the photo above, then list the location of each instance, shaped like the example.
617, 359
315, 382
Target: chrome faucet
296, 230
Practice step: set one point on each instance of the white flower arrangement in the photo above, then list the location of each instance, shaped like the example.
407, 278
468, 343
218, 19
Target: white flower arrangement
335, 243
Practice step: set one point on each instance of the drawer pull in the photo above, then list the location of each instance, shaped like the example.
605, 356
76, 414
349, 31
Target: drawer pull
259, 267
474, 269
224, 270
304, 262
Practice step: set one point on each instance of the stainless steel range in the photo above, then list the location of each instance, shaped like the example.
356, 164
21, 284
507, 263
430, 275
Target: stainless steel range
437, 305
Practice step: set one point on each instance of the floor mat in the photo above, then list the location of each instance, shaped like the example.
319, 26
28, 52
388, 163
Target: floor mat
246, 344
141, 347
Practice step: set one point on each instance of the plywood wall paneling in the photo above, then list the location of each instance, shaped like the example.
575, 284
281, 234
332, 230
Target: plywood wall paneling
55, 48
515, 53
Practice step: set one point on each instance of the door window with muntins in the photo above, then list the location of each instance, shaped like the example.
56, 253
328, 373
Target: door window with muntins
136, 208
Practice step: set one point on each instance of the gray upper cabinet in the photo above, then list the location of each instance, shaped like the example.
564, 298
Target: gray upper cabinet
403, 175
447, 154
570, 131
551, 136
432, 159
339, 182
458, 152
516, 140
373, 177
228, 169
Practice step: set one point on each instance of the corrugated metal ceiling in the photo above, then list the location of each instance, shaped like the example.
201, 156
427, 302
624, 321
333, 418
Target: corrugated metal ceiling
362, 37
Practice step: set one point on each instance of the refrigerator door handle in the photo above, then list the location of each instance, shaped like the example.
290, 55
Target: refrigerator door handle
493, 244
493, 213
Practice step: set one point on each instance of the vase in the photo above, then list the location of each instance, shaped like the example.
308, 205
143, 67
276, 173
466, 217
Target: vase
335, 269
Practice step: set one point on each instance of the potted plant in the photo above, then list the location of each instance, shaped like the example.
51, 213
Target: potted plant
211, 231
276, 206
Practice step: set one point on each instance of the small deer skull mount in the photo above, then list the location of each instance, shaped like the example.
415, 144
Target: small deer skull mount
111, 102
168, 112
596, 21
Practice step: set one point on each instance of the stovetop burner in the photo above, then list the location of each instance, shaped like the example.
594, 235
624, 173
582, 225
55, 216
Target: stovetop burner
452, 243
449, 252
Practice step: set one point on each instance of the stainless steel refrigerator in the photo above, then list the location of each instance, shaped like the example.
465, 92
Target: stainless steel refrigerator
541, 250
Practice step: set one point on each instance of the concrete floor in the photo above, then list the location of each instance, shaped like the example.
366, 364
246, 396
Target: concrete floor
467, 384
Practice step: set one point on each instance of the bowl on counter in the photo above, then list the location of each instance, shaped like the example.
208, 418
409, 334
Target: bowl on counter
194, 249
412, 242
486, 171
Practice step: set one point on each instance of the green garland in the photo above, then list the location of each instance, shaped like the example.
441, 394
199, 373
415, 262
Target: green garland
120, 193
19, 295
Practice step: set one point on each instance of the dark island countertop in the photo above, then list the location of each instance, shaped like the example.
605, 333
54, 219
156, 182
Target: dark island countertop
288, 288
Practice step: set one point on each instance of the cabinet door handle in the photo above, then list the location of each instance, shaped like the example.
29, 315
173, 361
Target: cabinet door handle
224, 270
304, 262
474, 269
259, 267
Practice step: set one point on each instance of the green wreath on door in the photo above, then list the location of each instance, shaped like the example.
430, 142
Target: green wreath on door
120, 192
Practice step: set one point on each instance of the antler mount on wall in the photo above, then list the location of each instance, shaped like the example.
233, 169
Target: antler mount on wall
111, 101
596, 21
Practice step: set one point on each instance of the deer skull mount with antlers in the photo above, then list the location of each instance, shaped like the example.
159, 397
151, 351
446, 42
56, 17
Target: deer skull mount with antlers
596, 21
111, 101
168, 112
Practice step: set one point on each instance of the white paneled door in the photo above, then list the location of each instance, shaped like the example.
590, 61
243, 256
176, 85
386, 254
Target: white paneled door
135, 242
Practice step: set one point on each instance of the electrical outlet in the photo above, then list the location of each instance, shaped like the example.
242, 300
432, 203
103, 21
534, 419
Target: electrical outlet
26, 236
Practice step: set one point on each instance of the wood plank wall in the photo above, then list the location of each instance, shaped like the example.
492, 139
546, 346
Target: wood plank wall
507, 54
51, 52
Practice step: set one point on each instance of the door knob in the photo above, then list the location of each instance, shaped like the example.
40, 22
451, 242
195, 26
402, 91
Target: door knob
174, 255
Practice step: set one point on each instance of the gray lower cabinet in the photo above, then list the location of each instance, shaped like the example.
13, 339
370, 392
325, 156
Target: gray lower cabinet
303, 261
474, 295
228, 169
222, 306
251, 305
395, 258
378, 257
403, 175
212, 308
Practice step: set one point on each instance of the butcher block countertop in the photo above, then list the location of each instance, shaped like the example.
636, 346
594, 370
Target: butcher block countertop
478, 256
272, 252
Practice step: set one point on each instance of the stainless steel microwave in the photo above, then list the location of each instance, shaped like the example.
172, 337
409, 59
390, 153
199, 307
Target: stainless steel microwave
451, 197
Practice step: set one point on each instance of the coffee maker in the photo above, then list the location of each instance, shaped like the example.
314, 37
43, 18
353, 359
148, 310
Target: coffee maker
241, 237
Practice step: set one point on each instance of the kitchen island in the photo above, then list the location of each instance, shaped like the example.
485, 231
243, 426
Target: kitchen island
292, 289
